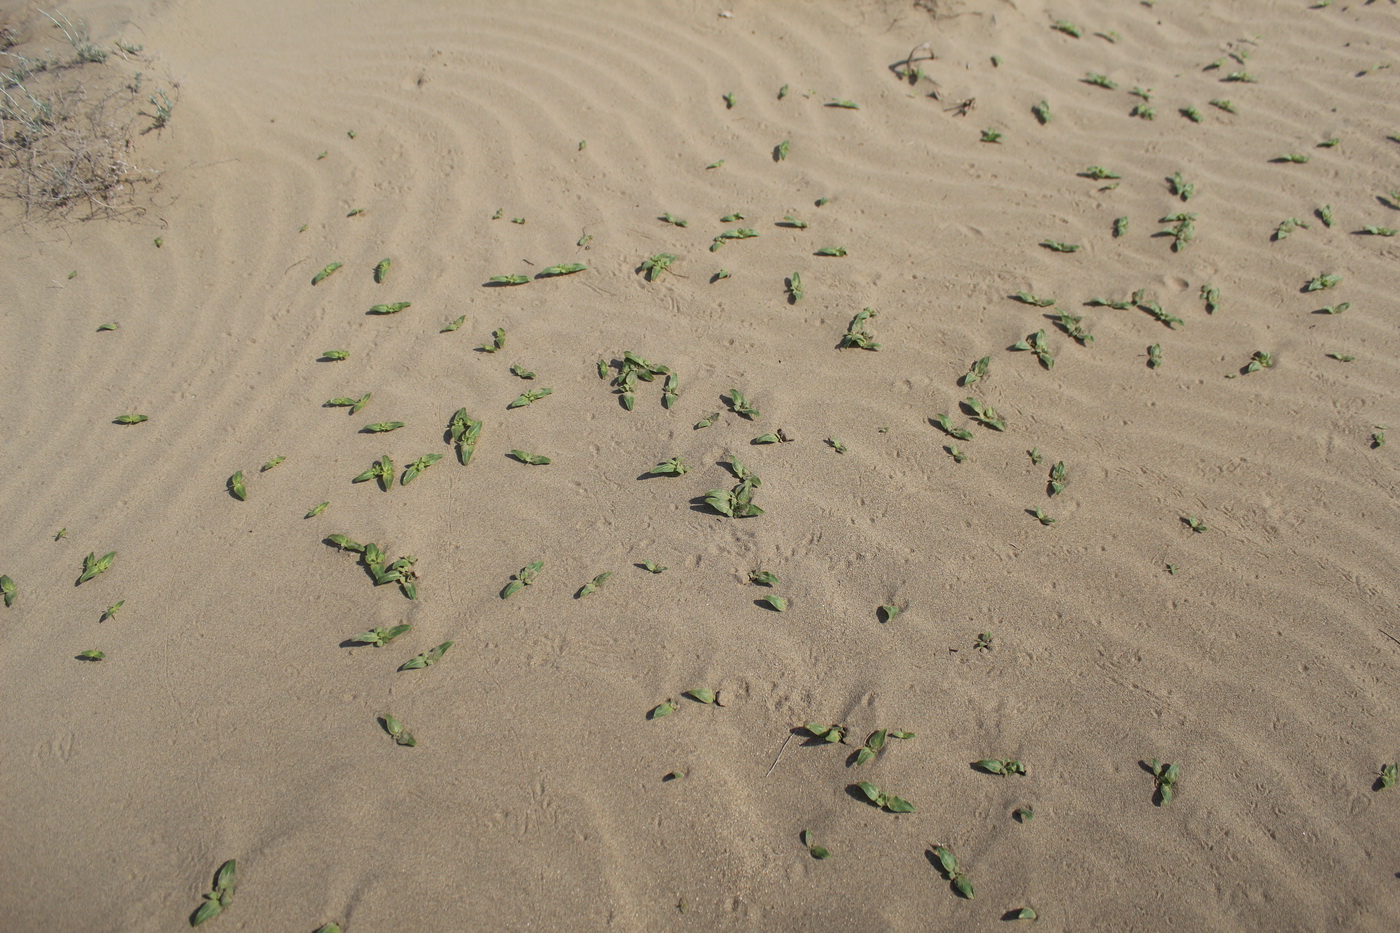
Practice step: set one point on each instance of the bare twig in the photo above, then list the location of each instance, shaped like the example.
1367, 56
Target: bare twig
780, 755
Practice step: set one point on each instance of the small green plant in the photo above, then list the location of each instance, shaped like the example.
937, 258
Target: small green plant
1183, 233
272, 463
781, 437
418, 466
1154, 309
382, 470
92, 654
354, 404
509, 279
592, 586
843, 104
653, 266
875, 742
1286, 227
1098, 173
703, 695
1260, 360
1378, 437
1068, 28
1073, 325
335, 356
984, 642
529, 397
662, 709
130, 419
464, 432
653, 567
517, 370
888, 612
106, 327
1120, 227
1224, 105
7, 590
1099, 80
1002, 766
1144, 110
830, 734
1166, 777
1191, 113
498, 342
780, 151
1241, 77
1181, 187
531, 459
763, 578
831, 251
523, 578
1042, 112
1030, 298
220, 895
817, 852
427, 658
1379, 231
837, 444
676, 466
956, 453
111, 611
1036, 343
391, 308
884, 801
1058, 477
775, 602
379, 636
1341, 357
991, 136
1322, 280
945, 424
948, 864
976, 371
381, 270
567, 268
740, 405
858, 334
794, 287
708, 420
1324, 214
1387, 778
729, 101
94, 565
1154, 356
397, 732
1040, 516
1211, 296
1194, 523
1058, 247
985, 414
381, 427
1023, 814
1296, 157
321, 276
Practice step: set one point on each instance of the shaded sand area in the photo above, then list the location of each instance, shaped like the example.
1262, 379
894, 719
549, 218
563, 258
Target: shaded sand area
231, 717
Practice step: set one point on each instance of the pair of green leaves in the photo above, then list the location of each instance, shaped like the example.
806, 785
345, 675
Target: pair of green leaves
831, 734
1183, 233
737, 502
225, 881
676, 466
381, 270
740, 405
335, 356
976, 372
1042, 112
517, 370
654, 265
320, 277
948, 864
1058, 477
464, 433
1181, 187
525, 577
1194, 523
592, 586
890, 802
130, 419
275, 461
1037, 344
858, 334
1041, 516
1166, 776
92, 654
651, 566
836, 251
1387, 778
508, 279
946, 425
874, 743
530, 459
1098, 173
1074, 326
1030, 298
354, 404
1211, 296
1154, 309
237, 487
1286, 228
1099, 80
1379, 231
427, 658
763, 577
633, 369
1260, 360
794, 287
817, 852
380, 636
417, 467
92, 566
393, 308
1002, 766
7, 589
529, 397
1322, 280
110, 612
498, 341
1154, 356
741, 233
1058, 247
381, 427
985, 414
383, 470
396, 730
567, 268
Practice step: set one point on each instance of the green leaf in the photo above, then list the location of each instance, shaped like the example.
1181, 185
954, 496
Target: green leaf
863, 756
328, 928
777, 602
531, 459
381, 270
1058, 247
652, 567
335, 355
131, 419
665, 708
673, 467
568, 268
381, 427
890, 612
1025, 913
819, 852
207, 911
320, 277
872, 793
394, 308
947, 861
236, 486
592, 586
91, 655
702, 694
530, 397
226, 879
108, 326
780, 151
509, 279
963, 886
7, 589
991, 136
1030, 299
898, 804
1042, 112
763, 577
109, 613
990, 765
831, 251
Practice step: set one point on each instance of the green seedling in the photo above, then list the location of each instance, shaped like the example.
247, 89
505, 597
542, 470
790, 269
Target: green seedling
427, 658
991, 136
1182, 234
703, 695
662, 709
1099, 80
837, 445
464, 433
1337, 308
272, 463
525, 577
518, 220
634, 368
1098, 173
1172, 569
738, 501
1286, 227
732, 218
130, 419
956, 453
1068, 28
945, 424
109, 326
1322, 280
91, 654
775, 602
1181, 187
418, 466
948, 864
500, 212
885, 801
781, 437
823, 201
220, 895
1191, 113
676, 466
831, 734
400, 571
1058, 478
1297, 157
708, 420
1035, 455
831, 251
509, 279
335, 356
1166, 777
1378, 437
1154, 356
517, 370
976, 372
729, 101
7, 589
843, 104
1341, 357
1324, 214
1240, 77
876, 741
740, 405
1109, 303
592, 586
1023, 814
858, 334
498, 341
529, 397
1058, 247
1387, 778
1154, 309
320, 277
1002, 766
584, 240
1194, 523
780, 151
793, 222
379, 636
1031, 299
393, 308
236, 486
794, 287
355, 212
1379, 231
382, 470
653, 567
1040, 516
1224, 105
1145, 111
381, 270
111, 611
655, 265
1074, 327
718, 163
396, 730
567, 268
1331, 143
381, 427
670, 218
888, 612
1037, 344
354, 404
817, 852
345, 544
1144, 93
1120, 227
1024, 913
328, 928
985, 414
1211, 296
1042, 112
531, 459
763, 577
721, 274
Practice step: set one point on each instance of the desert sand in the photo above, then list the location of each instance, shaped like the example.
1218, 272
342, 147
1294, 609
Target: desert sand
232, 717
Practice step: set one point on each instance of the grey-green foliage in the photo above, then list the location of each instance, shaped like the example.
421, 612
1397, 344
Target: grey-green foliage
948, 864
523, 578
464, 432
218, 898
1166, 776
738, 501
1037, 344
858, 334
633, 369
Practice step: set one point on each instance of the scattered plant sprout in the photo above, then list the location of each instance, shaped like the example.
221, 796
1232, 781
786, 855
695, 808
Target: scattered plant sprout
1042, 112
1297, 157
1242, 77
1194, 523
529, 397
335, 356
382, 470
1322, 280
831, 251
822, 201
1032, 299
592, 586
1058, 478
517, 370
885, 801
985, 414
1211, 296
320, 277
817, 852
945, 424
1041, 517
1058, 247
1154, 355
1035, 455
738, 501
794, 287
1183, 233
670, 218
1387, 778
397, 732
763, 577
1023, 814
1036, 343
1154, 309
498, 341
781, 437
1379, 231
1341, 357
702, 695
464, 433
1099, 80
991, 136
108, 326
426, 659
740, 405
1166, 777
381, 427
1068, 28
1337, 308
354, 404
91, 655
1324, 214
237, 487
729, 100
531, 459
1144, 111
1330, 143
662, 709
379, 636
780, 151
1120, 227
509, 279
1191, 113
1378, 437
830, 734
889, 612
1098, 173
417, 467
836, 444
1002, 766
1224, 105
718, 163
381, 270
220, 895
1286, 227
858, 334
7, 589
272, 463
1181, 187
708, 420
523, 578
130, 419
976, 371
567, 268
775, 602
653, 567
1073, 325
952, 871
676, 466
843, 104
111, 611
956, 453
1109, 303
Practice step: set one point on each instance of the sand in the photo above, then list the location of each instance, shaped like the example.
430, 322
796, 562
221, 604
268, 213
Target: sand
230, 720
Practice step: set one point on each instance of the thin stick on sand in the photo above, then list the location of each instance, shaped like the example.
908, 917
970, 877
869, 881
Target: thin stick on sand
780, 755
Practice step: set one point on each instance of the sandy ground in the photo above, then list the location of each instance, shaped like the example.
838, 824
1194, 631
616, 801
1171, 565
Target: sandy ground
229, 718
